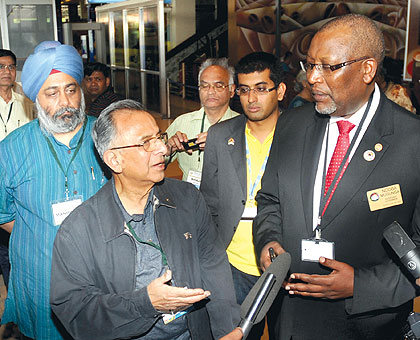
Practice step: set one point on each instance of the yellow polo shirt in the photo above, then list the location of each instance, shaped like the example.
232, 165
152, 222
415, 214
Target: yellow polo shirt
241, 249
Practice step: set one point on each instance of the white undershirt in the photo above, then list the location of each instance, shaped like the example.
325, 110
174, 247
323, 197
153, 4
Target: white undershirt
332, 141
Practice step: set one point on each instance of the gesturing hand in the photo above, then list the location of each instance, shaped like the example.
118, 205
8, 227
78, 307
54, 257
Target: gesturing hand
166, 298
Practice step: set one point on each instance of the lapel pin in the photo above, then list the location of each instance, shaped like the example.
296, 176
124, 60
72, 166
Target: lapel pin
231, 141
378, 147
369, 155
187, 235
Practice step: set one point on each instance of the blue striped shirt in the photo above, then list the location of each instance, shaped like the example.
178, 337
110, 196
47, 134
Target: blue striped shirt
30, 182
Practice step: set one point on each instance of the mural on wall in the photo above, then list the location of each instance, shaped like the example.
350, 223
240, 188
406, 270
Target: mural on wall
252, 24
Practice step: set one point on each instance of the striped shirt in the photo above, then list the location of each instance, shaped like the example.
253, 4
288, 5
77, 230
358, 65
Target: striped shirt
30, 182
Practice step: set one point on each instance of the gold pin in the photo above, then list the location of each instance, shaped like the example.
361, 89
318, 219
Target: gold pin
231, 141
187, 235
378, 147
369, 155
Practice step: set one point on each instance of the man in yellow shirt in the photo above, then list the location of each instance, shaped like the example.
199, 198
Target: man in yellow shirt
236, 154
216, 87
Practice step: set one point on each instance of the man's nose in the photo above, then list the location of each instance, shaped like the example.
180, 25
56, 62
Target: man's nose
313, 75
252, 96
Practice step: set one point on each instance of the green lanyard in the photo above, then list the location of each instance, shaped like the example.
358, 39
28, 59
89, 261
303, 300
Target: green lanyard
76, 151
150, 243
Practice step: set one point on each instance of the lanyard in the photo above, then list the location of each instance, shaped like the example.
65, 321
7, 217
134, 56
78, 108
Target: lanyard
253, 186
8, 118
150, 243
326, 199
201, 131
76, 151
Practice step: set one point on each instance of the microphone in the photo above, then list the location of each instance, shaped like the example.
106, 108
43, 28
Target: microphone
404, 247
262, 294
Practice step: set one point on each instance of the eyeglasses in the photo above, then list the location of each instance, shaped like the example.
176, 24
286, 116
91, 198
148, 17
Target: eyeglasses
327, 68
148, 145
258, 90
11, 67
218, 87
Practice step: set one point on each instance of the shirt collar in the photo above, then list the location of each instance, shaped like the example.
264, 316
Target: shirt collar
127, 217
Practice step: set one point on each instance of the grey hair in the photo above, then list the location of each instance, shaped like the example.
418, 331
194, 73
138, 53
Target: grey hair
300, 78
104, 130
222, 62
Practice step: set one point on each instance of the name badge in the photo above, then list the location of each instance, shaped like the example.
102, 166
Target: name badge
194, 177
249, 213
313, 249
385, 197
62, 209
169, 317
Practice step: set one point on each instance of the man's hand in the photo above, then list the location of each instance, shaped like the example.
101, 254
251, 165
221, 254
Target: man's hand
336, 285
236, 334
201, 140
8, 226
418, 282
175, 143
171, 299
265, 259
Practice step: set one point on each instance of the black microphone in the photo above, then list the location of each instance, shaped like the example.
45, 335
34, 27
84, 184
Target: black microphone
404, 247
261, 296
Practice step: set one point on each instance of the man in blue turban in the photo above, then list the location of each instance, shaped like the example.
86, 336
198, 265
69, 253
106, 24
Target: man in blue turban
47, 168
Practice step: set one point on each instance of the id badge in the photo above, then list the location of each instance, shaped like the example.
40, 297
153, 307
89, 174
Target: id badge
313, 249
249, 213
169, 317
62, 208
194, 177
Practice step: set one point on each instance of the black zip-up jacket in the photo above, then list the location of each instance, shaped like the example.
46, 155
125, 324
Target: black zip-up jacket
93, 267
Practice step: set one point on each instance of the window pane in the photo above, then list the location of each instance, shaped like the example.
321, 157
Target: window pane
28, 26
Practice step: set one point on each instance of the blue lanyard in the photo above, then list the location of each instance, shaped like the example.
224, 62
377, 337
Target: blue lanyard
253, 186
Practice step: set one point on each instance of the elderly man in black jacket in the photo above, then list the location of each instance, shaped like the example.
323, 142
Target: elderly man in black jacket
141, 259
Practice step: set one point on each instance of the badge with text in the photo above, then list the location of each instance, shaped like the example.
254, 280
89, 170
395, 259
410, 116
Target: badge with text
385, 197
194, 177
62, 209
313, 249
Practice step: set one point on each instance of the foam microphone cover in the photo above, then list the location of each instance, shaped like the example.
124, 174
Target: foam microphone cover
279, 268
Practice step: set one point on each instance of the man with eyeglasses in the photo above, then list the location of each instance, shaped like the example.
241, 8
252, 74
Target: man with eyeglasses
47, 167
141, 259
234, 162
15, 109
338, 174
216, 87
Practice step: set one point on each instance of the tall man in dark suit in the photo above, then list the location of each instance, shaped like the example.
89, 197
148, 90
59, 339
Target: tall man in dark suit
234, 162
327, 195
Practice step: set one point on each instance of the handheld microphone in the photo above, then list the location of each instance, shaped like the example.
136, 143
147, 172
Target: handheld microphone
261, 296
404, 247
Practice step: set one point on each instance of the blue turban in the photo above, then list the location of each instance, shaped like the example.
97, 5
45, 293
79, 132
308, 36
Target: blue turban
47, 56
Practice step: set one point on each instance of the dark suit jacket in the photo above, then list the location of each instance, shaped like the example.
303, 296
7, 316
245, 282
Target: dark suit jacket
223, 182
382, 293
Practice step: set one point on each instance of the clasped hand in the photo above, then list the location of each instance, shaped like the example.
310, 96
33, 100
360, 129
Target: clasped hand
338, 284
166, 298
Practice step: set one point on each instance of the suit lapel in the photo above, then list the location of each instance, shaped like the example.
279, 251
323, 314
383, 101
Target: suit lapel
311, 153
235, 143
359, 169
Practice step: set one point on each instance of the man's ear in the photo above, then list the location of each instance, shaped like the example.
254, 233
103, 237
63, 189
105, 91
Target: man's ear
370, 68
281, 90
232, 90
107, 81
112, 158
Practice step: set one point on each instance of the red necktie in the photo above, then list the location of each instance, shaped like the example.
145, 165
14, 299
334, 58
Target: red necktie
343, 143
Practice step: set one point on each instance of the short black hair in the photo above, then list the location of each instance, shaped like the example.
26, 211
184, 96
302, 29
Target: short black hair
99, 67
8, 53
258, 62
